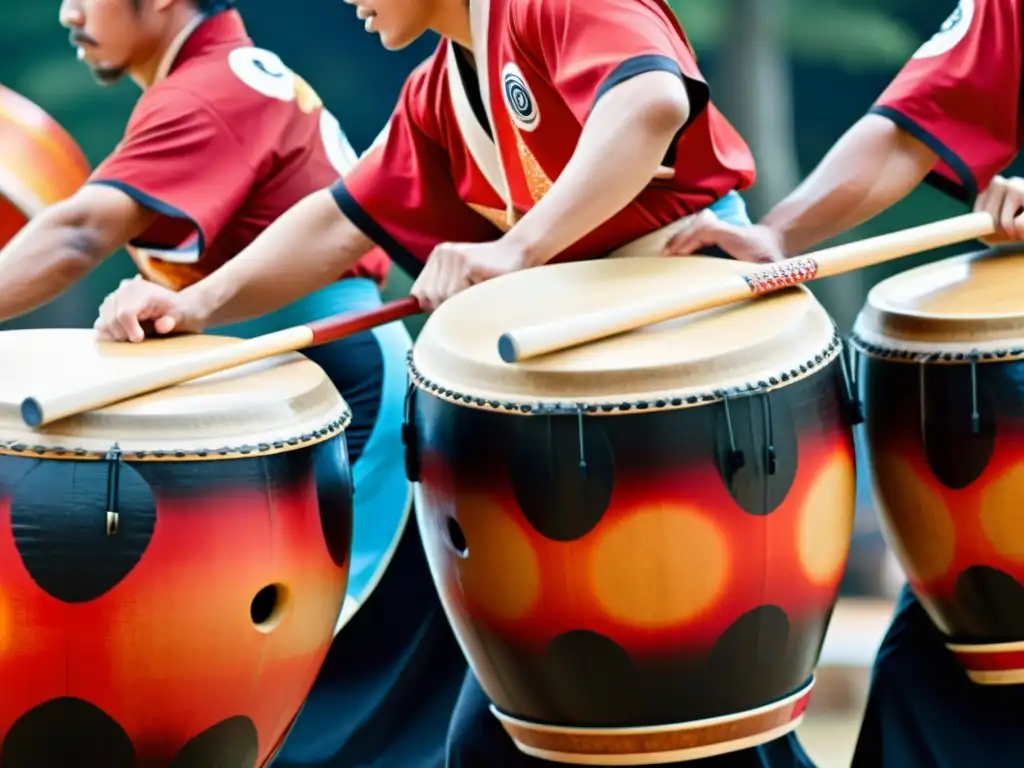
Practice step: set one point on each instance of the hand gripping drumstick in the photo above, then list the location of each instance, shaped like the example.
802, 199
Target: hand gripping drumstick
535, 340
43, 409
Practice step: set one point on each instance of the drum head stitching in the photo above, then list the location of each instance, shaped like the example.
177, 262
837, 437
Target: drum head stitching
192, 454
658, 402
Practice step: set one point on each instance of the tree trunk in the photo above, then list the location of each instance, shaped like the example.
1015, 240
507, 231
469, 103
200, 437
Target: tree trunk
753, 88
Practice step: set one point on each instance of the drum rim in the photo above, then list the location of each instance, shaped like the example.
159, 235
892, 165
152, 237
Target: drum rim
335, 427
893, 350
885, 330
654, 402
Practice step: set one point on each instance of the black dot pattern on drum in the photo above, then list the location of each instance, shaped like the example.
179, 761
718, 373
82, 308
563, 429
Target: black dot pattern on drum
756, 451
594, 674
989, 606
334, 493
959, 425
562, 479
64, 732
231, 743
750, 661
59, 523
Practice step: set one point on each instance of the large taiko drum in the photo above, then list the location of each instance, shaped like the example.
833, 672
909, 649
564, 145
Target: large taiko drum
40, 164
638, 542
942, 378
172, 566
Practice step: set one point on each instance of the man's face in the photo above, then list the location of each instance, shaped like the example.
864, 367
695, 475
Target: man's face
111, 36
398, 22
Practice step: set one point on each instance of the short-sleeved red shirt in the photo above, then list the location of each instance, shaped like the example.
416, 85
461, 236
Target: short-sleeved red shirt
961, 94
546, 64
220, 147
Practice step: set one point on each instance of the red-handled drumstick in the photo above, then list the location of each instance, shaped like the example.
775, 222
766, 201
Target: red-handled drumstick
540, 339
46, 408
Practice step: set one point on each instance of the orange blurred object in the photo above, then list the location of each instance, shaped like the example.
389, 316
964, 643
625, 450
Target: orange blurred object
40, 164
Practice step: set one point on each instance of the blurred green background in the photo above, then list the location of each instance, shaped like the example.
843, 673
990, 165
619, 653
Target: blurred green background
792, 75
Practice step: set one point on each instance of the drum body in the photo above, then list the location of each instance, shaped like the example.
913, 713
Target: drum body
941, 374
40, 164
638, 542
172, 566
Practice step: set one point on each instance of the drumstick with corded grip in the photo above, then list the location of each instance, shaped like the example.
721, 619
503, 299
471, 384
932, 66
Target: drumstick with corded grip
46, 408
543, 338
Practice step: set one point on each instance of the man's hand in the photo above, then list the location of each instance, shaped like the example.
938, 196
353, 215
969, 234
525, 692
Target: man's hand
138, 301
754, 243
1004, 199
453, 267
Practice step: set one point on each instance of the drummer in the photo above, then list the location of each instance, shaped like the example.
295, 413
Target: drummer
223, 139
952, 117
551, 157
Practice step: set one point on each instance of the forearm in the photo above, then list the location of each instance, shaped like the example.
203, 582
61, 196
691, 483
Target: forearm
621, 147
47, 256
306, 249
874, 165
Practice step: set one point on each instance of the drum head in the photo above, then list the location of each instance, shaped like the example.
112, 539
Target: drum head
968, 305
760, 343
264, 407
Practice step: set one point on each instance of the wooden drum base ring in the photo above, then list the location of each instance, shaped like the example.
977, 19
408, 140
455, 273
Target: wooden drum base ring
991, 664
656, 744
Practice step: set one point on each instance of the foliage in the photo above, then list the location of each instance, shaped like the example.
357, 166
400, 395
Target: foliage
857, 36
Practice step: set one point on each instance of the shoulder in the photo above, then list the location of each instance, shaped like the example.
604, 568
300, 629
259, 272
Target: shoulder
425, 92
242, 81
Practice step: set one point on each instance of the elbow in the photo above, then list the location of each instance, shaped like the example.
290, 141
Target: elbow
667, 110
81, 243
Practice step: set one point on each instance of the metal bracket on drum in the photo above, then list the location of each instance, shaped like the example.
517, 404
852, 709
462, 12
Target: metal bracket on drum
854, 406
412, 456
113, 458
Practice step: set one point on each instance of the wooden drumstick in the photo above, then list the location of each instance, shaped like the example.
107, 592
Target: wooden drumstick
535, 340
44, 409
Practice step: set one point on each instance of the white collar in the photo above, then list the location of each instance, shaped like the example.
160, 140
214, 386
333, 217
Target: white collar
175, 47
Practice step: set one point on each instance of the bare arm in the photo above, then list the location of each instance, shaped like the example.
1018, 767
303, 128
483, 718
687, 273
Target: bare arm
873, 166
64, 243
620, 150
307, 248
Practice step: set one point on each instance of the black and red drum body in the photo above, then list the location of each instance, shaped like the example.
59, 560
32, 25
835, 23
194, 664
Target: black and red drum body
638, 542
941, 375
40, 164
172, 566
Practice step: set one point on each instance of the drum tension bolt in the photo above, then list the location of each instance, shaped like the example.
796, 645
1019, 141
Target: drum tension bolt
113, 483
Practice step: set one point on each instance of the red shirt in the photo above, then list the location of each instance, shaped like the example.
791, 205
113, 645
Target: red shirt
461, 153
960, 94
219, 148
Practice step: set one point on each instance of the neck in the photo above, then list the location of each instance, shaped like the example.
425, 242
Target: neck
452, 21
183, 22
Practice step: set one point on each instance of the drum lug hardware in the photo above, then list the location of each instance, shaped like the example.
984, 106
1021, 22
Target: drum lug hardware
579, 427
854, 407
409, 437
113, 483
735, 460
975, 416
769, 434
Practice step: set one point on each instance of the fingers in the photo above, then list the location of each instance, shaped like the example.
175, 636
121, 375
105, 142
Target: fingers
123, 312
165, 324
702, 230
444, 275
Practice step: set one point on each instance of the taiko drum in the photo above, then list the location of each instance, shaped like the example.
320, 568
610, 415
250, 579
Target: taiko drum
941, 374
173, 565
40, 164
638, 542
